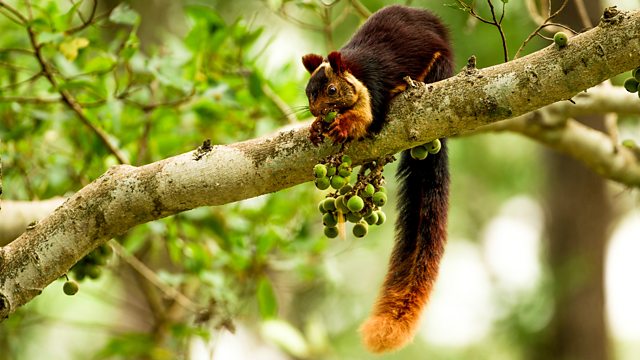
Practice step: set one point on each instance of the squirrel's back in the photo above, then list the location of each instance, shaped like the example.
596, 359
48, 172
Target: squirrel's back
396, 42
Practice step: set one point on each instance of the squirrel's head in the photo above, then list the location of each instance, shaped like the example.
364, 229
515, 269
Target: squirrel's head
331, 87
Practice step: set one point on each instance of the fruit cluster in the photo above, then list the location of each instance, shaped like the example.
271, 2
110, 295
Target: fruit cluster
632, 84
421, 152
359, 203
90, 266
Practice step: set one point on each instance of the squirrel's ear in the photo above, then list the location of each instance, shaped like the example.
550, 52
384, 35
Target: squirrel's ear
335, 60
311, 62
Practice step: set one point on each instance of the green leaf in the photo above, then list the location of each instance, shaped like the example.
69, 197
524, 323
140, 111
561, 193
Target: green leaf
255, 85
267, 302
50, 37
124, 14
100, 63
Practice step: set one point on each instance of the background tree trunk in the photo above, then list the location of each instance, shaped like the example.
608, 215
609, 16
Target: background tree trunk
579, 217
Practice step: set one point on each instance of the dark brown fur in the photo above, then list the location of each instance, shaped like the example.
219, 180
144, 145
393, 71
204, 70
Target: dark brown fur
393, 43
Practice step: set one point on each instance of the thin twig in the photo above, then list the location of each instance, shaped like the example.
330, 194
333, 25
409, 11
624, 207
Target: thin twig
472, 11
17, 84
498, 24
327, 28
93, 18
29, 100
26, 51
70, 101
279, 103
361, 9
541, 26
153, 278
302, 24
21, 19
494, 22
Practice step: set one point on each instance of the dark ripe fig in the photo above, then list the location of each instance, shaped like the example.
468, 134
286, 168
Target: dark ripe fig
346, 189
330, 231
631, 85
372, 219
329, 204
321, 207
419, 152
353, 217
322, 183
329, 219
70, 287
360, 229
94, 271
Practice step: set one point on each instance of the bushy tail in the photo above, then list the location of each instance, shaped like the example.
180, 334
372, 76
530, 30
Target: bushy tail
423, 199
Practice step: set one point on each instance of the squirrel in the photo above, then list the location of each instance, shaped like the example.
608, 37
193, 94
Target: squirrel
358, 82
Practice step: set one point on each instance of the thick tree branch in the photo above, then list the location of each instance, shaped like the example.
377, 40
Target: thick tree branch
553, 126
126, 196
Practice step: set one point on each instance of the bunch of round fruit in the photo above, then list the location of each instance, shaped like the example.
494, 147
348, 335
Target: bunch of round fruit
632, 84
91, 265
359, 203
421, 152
333, 174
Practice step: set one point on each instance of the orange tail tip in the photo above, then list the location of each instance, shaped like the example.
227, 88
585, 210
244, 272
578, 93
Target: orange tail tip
382, 333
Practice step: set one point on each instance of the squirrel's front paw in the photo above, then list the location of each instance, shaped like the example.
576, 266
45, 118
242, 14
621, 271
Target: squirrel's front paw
339, 131
316, 132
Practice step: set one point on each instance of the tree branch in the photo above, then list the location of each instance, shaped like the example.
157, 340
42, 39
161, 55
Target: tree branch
126, 196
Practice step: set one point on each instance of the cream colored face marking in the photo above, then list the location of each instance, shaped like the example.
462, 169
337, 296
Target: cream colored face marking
324, 64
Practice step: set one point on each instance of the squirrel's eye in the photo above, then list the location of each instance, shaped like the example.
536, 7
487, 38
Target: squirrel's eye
331, 90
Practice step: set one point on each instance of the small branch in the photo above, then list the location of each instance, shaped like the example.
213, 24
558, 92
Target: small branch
25, 81
28, 100
553, 126
498, 24
543, 25
70, 101
279, 103
153, 278
361, 9
494, 22
19, 18
85, 23
327, 28
167, 103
